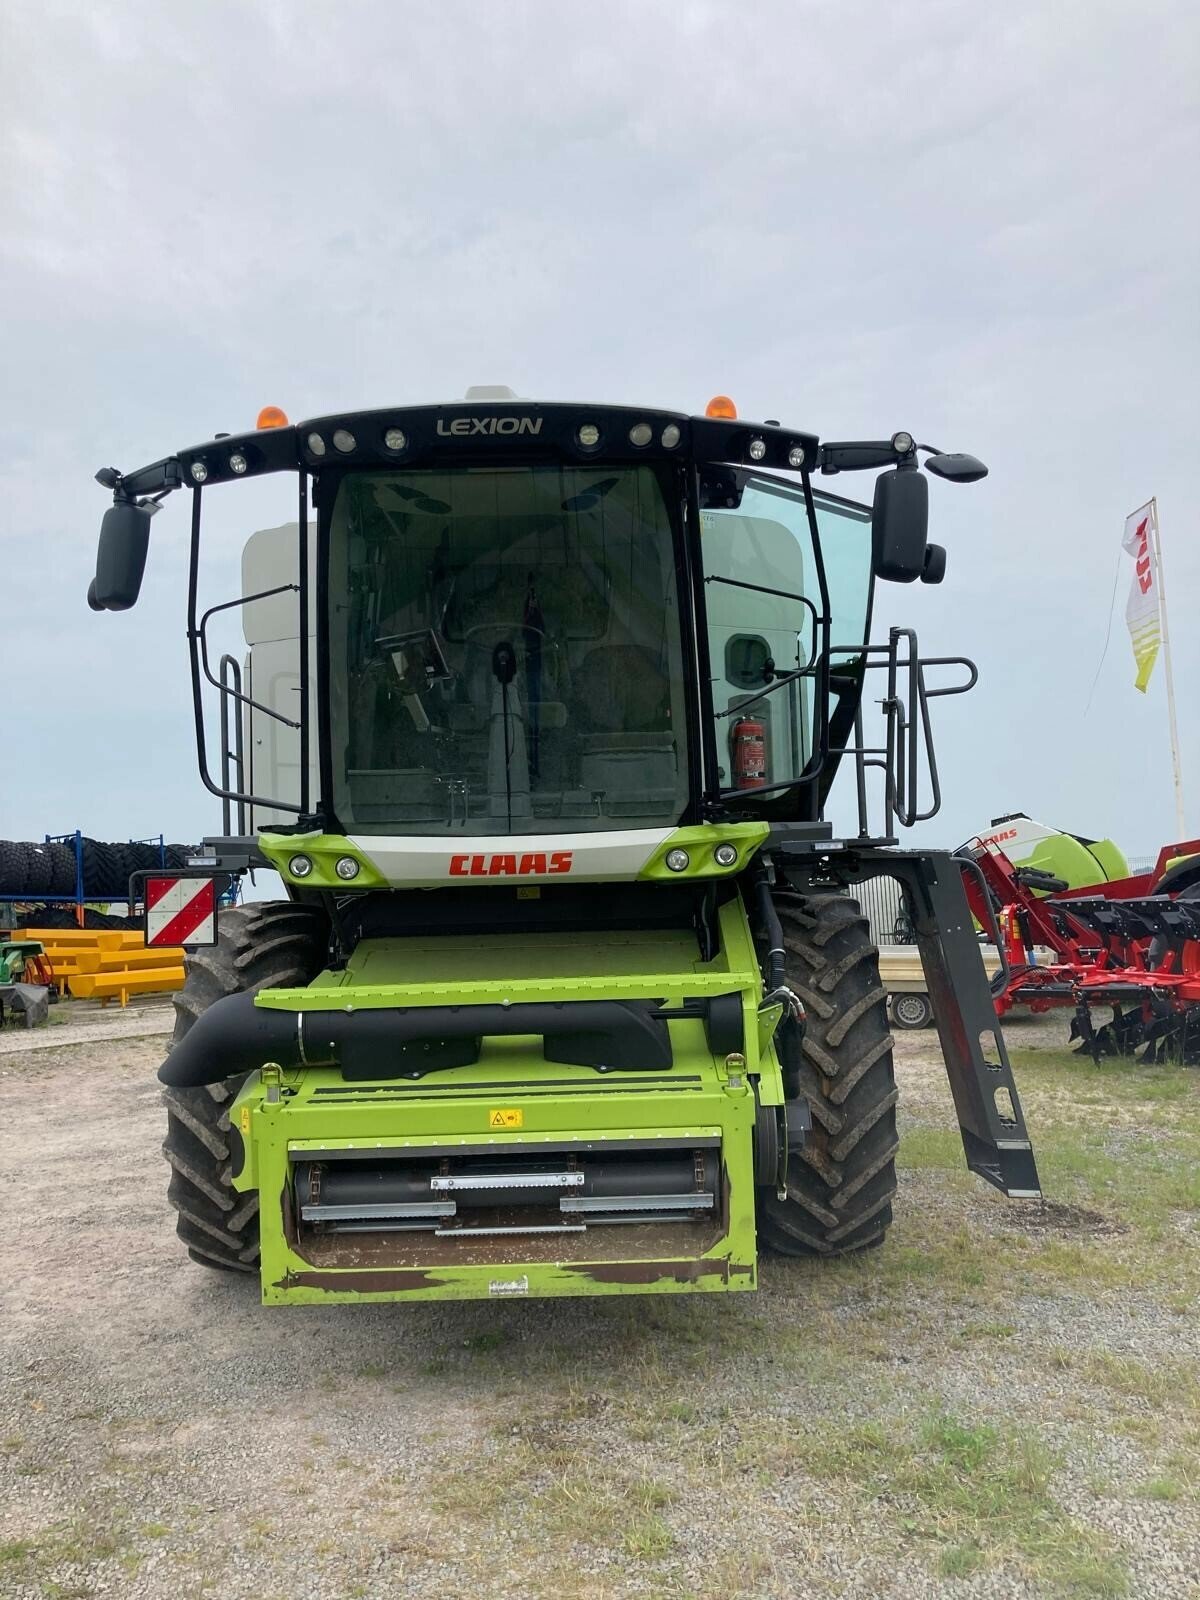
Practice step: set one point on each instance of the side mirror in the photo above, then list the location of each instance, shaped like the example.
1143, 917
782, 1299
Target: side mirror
121, 556
935, 563
900, 525
956, 467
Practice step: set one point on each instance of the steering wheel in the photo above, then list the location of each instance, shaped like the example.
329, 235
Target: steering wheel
508, 629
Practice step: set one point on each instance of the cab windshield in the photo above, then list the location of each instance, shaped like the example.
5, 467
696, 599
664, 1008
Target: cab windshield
505, 652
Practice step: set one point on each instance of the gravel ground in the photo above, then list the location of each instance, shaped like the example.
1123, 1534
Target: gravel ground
991, 1405
89, 1019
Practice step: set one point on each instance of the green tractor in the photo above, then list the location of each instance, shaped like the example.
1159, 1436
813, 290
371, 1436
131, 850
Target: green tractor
569, 993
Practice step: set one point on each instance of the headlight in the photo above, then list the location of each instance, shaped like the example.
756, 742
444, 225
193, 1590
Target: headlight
300, 866
678, 860
346, 867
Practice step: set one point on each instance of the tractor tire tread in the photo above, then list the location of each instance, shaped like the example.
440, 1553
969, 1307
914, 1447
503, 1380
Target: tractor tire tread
267, 945
840, 1185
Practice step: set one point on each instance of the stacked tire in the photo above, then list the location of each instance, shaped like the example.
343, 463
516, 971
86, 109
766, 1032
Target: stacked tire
31, 871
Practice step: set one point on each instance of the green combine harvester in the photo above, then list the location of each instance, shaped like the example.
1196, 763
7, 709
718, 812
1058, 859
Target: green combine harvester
569, 994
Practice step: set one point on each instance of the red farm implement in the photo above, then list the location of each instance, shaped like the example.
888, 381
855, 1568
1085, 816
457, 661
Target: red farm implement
1131, 946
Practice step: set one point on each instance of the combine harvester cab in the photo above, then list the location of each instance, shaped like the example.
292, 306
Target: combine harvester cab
537, 724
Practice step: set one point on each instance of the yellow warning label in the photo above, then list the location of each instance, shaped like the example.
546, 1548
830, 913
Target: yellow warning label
511, 1118
245, 1119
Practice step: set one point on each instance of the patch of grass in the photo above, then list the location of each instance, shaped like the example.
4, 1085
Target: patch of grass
960, 1560
987, 1330
931, 1149
980, 1493
680, 1411
489, 1339
535, 1481
1145, 1429
1162, 1488
15, 1551
1121, 1141
648, 1538
1168, 1384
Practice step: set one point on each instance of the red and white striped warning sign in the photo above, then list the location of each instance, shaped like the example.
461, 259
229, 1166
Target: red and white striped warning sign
181, 911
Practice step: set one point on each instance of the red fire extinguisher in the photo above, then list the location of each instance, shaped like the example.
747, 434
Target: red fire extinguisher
749, 740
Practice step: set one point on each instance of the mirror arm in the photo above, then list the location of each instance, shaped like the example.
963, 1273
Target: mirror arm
156, 480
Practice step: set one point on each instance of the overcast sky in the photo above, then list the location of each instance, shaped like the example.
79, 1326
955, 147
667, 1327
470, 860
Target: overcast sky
975, 223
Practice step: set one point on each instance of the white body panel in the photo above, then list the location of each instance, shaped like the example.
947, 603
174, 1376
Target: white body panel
427, 863
1016, 837
272, 673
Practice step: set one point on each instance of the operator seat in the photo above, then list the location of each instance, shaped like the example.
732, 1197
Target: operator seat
622, 711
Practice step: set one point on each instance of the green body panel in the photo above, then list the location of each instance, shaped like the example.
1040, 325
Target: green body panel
700, 842
1079, 865
323, 850
703, 1097
1110, 858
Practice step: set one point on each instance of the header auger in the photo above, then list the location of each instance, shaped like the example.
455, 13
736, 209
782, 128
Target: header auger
569, 993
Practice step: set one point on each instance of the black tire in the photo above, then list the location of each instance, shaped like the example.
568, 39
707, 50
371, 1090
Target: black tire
9, 867
62, 869
41, 870
92, 869
840, 1186
22, 857
270, 945
911, 1010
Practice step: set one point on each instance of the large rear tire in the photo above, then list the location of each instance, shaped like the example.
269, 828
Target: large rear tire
840, 1185
273, 945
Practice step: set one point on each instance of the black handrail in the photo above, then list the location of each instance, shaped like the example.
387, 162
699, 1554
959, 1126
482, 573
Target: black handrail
200, 669
231, 685
908, 730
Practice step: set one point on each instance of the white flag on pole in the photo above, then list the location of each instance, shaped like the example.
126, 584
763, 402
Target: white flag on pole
1142, 607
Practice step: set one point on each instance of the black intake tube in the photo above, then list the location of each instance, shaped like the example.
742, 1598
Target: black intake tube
235, 1036
773, 929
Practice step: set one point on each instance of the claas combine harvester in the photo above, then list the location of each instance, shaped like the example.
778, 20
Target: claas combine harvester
537, 725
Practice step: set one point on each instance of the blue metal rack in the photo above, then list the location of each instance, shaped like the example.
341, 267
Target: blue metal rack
79, 899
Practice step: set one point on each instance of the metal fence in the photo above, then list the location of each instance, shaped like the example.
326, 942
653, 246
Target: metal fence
881, 900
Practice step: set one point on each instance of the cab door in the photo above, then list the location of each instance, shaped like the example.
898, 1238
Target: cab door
766, 612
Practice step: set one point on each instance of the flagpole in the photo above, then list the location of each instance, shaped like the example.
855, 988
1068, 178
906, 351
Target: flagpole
1180, 824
